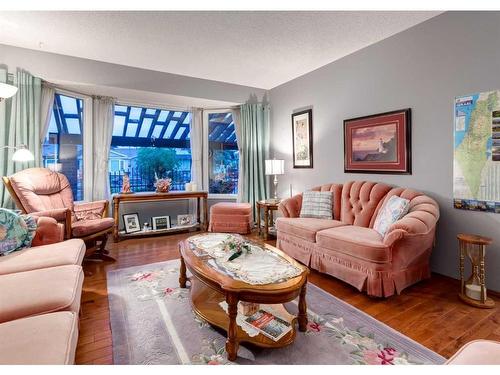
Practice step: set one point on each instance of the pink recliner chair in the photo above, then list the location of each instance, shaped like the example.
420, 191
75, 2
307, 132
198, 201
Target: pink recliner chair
42, 192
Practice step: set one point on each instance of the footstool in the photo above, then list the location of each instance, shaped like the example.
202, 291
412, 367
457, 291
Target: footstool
227, 217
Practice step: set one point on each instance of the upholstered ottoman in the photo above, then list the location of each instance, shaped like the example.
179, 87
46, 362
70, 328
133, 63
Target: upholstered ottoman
229, 217
40, 291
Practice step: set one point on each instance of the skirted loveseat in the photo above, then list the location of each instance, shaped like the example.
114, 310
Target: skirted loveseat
348, 247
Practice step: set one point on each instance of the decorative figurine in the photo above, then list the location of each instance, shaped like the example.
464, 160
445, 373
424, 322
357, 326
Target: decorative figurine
126, 184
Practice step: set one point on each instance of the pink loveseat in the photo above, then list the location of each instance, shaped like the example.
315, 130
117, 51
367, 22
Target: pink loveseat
348, 247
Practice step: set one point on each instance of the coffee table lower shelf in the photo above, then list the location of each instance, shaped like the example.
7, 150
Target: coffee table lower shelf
205, 302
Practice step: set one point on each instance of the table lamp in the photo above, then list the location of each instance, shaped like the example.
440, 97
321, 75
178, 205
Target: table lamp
275, 167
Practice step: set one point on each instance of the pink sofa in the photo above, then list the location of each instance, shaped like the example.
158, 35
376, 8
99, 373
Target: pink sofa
39, 307
348, 247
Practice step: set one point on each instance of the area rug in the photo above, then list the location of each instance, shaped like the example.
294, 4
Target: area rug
152, 323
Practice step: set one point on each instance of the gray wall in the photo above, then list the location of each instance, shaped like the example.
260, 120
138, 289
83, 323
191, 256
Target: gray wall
424, 68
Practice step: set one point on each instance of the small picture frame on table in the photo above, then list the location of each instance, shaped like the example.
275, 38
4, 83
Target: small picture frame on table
183, 220
160, 222
131, 223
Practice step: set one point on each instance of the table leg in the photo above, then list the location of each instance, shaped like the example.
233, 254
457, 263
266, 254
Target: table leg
232, 342
116, 218
302, 318
266, 223
182, 274
271, 219
258, 219
198, 213
205, 213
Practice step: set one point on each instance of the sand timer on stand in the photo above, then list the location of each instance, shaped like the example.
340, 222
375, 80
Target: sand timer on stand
473, 290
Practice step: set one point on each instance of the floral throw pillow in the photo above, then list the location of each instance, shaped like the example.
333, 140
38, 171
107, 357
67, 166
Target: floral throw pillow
392, 210
16, 231
317, 205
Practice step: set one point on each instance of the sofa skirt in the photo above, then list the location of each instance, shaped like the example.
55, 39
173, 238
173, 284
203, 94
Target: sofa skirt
376, 279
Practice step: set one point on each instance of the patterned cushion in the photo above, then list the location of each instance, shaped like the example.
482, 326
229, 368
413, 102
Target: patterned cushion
317, 204
16, 231
392, 210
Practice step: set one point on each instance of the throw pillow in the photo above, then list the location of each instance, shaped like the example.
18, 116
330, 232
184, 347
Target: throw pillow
16, 231
392, 210
317, 204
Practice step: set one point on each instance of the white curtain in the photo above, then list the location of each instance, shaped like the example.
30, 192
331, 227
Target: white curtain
102, 116
46, 106
237, 129
196, 141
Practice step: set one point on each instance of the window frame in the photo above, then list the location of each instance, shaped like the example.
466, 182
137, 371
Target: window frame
154, 106
88, 144
206, 185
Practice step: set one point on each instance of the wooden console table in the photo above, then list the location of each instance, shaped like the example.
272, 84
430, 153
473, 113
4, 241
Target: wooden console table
153, 196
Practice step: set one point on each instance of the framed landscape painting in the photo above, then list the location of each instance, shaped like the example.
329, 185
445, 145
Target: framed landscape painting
378, 143
302, 139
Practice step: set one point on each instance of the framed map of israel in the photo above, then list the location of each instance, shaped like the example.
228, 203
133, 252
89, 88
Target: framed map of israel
476, 162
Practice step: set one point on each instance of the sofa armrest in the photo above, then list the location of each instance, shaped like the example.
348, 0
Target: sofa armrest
90, 210
290, 207
48, 231
413, 224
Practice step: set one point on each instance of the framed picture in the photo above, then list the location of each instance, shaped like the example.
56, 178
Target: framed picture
160, 222
378, 143
184, 220
131, 223
302, 139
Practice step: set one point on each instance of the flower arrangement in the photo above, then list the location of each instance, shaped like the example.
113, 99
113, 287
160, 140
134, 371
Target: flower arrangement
162, 185
237, 246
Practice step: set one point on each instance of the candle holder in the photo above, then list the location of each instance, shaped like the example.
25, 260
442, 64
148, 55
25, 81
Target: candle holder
473, 290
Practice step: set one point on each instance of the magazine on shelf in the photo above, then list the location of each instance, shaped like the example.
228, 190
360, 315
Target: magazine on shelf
269, 325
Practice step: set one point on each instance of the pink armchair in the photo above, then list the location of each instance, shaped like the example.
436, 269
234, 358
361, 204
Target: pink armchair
42, 192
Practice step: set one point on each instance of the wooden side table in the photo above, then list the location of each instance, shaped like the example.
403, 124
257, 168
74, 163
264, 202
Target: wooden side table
268, 206
473, 290
201, 223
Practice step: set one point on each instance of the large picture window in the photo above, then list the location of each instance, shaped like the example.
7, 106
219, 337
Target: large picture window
149, 143
62, 150
223, 156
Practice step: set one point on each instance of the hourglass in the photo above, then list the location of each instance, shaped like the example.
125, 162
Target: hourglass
473, 290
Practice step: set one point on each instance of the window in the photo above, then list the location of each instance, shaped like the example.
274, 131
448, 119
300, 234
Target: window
149, 142
62, 150
223, 155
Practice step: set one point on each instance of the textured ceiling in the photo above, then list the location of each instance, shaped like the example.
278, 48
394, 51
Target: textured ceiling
259, 49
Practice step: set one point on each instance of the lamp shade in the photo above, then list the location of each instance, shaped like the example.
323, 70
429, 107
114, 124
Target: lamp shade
6, 91
275, 167
22, 154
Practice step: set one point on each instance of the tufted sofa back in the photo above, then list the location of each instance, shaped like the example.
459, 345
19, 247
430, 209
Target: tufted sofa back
336, 189
40, 189
360, 200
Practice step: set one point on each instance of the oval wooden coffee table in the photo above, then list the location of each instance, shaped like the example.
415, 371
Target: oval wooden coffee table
210, 287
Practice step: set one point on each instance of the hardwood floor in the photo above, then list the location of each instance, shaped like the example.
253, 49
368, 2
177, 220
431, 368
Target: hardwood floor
429, 312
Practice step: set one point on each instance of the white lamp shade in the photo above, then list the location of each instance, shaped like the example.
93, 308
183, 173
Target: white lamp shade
275, 167
22, 154
6, 91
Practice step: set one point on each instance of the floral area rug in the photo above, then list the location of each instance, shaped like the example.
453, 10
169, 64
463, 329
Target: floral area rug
152, 323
